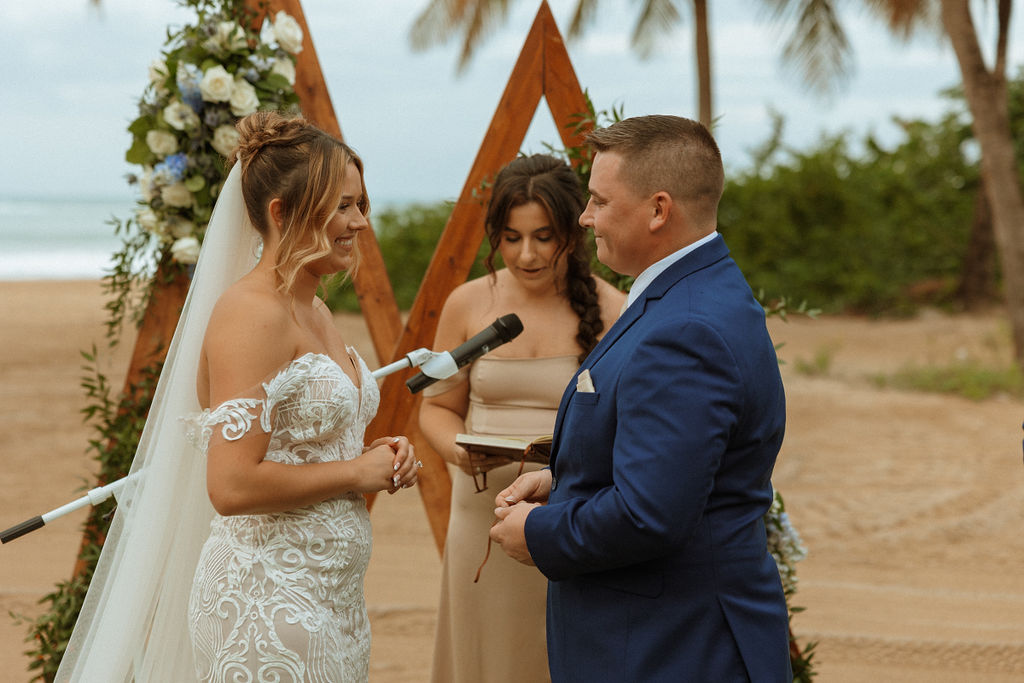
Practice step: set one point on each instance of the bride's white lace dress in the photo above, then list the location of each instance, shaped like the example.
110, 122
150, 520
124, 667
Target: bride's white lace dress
279, 597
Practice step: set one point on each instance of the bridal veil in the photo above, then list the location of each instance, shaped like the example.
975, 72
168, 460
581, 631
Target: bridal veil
133, 626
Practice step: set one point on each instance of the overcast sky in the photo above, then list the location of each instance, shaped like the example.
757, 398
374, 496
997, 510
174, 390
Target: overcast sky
71, 76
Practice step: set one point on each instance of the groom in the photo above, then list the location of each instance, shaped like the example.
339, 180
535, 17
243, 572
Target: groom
651, 531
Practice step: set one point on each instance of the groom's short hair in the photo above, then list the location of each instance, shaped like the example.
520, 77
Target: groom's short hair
665, 153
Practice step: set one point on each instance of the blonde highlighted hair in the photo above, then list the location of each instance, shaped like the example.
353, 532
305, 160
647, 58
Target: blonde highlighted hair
288, 158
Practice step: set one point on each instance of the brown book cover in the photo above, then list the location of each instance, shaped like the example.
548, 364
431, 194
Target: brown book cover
514, 447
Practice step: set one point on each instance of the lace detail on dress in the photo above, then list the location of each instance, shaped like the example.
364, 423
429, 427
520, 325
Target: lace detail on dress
236, 415
279, 597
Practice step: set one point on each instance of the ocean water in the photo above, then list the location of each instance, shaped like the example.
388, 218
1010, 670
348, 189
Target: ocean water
54, 238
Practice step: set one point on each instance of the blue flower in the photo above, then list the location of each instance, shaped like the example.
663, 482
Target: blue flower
172, 168
187, 79
216, 116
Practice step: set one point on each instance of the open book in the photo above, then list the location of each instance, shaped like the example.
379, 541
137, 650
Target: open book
517, 448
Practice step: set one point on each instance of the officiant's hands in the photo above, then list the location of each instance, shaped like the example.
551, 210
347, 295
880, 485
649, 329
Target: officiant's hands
472, 462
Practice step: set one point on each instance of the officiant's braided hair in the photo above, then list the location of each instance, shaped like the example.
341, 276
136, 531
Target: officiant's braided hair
287, 157
550, 182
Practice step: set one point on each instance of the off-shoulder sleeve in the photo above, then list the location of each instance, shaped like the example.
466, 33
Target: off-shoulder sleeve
232, 420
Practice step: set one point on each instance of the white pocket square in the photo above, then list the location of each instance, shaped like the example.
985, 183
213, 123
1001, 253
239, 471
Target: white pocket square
583, 382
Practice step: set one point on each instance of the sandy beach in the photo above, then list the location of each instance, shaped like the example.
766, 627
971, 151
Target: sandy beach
910, 504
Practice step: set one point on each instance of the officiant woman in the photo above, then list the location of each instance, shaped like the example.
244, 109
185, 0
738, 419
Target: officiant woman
490, 628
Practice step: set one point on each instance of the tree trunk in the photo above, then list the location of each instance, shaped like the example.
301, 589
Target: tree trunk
977, 286
987, 99
703, 43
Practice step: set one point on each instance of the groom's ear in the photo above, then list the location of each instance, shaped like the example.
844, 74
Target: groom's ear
661, 206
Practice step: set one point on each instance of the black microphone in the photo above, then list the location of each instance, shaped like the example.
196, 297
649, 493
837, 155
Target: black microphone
504, 329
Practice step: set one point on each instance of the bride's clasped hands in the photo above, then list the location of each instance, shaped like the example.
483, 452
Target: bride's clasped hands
395, 457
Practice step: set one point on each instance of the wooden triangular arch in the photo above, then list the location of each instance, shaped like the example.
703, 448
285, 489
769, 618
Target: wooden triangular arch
543, 69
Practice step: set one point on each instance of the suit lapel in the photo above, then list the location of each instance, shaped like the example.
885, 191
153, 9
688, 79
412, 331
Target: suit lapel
704, 256
713, 251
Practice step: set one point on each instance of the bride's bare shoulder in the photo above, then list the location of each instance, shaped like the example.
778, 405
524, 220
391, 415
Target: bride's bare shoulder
251, 324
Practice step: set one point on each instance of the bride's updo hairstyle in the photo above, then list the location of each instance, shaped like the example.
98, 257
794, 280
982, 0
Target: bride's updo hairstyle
286, 157
550, 182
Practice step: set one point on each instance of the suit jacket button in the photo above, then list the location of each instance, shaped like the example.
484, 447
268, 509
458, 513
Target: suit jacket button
554, 482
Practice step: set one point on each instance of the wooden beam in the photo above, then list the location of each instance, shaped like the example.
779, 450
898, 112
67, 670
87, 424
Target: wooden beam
543, 69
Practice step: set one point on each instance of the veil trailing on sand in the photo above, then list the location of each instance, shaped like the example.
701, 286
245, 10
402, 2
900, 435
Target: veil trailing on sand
133, 623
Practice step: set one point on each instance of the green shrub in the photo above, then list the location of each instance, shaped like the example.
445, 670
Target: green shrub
855, 233
969, 380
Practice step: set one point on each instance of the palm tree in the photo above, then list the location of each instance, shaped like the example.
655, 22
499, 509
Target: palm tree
986, 93
817, 43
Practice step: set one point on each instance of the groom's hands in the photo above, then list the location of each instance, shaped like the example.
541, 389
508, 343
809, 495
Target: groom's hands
510, 531
532, 487
513, 505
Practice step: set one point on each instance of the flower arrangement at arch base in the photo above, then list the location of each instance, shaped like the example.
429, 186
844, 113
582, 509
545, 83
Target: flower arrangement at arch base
225, 65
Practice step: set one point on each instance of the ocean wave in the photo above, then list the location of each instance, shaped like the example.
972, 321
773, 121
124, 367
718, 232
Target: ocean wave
54, 264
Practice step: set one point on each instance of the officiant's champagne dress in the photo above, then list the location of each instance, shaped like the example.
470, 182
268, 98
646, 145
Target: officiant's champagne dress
494, 630
279, 597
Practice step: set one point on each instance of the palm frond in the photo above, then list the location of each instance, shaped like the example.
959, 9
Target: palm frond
657, 17
903, 17
437, 23
817, 46
442, 19
582, 17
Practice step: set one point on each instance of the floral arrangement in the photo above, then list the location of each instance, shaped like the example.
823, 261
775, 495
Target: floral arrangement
211, 74
784, 543
787, 549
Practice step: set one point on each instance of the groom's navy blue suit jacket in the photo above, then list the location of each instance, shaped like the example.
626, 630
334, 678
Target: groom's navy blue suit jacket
652, 538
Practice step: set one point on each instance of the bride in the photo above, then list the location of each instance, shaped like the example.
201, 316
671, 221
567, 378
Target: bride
261, 410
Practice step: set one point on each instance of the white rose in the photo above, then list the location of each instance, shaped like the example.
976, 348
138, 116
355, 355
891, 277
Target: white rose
244, 99
288, 33
158, 74
185, 250
225, 139
230, 35
176, 195
149, 221
216, 85
180, 227
161, 143
286, 68
157, 71
180, 116
146, 184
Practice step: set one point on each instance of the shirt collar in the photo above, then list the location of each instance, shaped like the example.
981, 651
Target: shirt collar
657, 268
